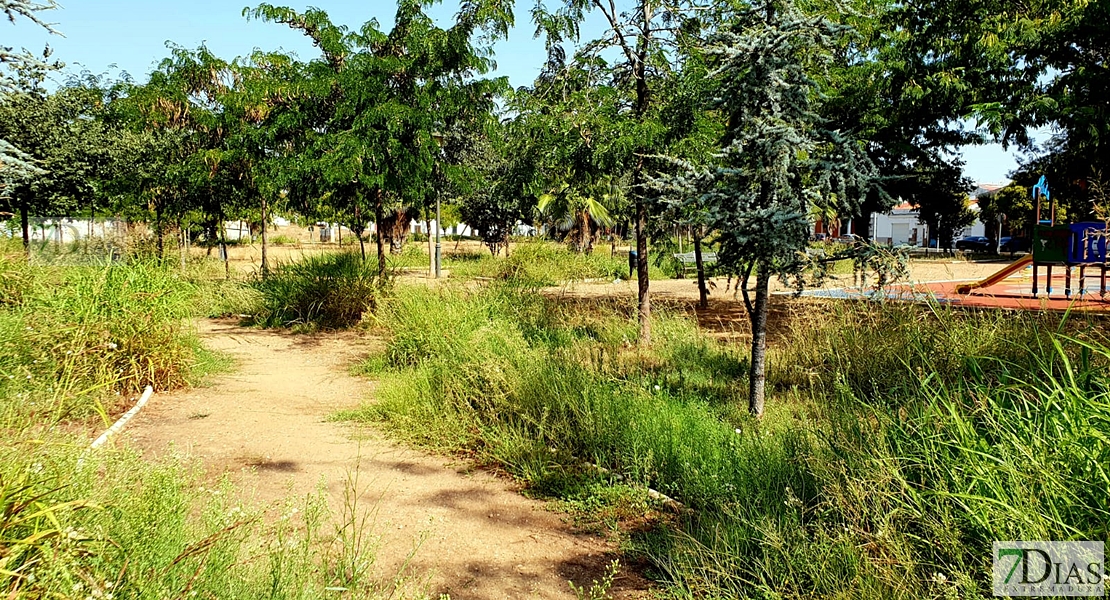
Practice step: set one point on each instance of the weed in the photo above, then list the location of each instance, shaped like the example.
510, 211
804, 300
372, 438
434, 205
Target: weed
600, 589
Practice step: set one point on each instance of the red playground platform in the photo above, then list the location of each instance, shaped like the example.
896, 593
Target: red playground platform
1013, 293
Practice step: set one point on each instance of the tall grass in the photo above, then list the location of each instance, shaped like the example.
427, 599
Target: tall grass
900, 444
545, 264
326, 290
536, 263
72, 337
72, 333
122, 527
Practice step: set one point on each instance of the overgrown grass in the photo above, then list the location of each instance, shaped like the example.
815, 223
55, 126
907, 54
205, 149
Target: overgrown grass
544, 264
69, 334
119, 526
110, 524
899, 444
327, 290
536, 263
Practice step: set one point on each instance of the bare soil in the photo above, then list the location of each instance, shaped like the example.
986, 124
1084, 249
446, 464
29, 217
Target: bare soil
726, 318
267, 426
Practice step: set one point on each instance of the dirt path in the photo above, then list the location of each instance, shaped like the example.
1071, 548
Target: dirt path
265, 424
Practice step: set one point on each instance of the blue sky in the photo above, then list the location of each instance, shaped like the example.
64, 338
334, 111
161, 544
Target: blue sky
132, 35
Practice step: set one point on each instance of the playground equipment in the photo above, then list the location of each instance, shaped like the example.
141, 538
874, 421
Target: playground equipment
1081, 245
997, 277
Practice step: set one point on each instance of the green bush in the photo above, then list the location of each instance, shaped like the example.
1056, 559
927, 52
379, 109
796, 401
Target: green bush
326, 290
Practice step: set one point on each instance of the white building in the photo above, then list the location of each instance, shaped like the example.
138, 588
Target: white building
901, 225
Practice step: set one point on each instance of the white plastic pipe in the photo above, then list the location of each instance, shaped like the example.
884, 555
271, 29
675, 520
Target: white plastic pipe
119, 424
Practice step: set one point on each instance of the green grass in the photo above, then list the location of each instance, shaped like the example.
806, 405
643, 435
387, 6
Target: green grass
70, 335
328, 291
120, 526
536, 263
76, 339
899, 443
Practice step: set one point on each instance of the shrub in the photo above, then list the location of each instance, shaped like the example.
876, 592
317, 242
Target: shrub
325, 290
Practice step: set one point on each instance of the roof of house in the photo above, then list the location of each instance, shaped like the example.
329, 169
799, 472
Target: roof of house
987, 188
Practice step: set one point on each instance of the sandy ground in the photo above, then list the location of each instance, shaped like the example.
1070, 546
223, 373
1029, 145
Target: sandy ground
726, 316
265, 424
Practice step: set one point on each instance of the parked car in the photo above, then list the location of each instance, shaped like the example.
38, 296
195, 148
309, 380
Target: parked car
974, 243
1014, 244
848, 238
819, 237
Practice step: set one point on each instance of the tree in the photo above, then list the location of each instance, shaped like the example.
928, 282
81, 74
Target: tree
499, 164
69, 149
941, 198
778, 156
622, 112
384, 97
1015, 202
903, 78
16, 164
579, 215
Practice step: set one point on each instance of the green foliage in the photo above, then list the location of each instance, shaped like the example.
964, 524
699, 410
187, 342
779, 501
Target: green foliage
395, 105
26, 67
776, 162
327, 290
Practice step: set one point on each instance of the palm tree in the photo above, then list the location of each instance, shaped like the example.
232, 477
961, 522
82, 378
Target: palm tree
580, 213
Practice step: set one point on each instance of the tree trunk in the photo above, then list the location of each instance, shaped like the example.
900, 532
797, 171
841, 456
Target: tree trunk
92, 219
25, 225
757, 375
222, 235
361, 230
265, 262
431, 249
642, 272
182, 248
584, 245
703, 291
378, 219
158, 232
643, 96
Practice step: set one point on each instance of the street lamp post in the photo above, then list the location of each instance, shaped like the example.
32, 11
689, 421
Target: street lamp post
438, 137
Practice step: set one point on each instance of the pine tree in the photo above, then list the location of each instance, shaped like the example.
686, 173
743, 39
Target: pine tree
778, 158
16, 165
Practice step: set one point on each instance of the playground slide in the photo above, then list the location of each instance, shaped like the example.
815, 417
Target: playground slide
994, 278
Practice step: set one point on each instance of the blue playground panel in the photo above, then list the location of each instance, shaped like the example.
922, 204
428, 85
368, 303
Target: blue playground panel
1093, 252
